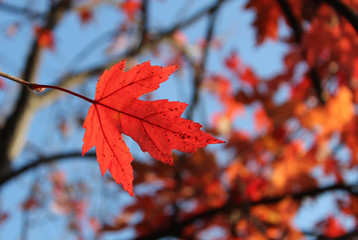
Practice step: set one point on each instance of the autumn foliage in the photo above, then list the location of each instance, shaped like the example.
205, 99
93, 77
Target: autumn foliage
287, 168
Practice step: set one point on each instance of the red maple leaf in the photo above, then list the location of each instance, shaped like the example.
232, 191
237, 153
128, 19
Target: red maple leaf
155, 125
45, 37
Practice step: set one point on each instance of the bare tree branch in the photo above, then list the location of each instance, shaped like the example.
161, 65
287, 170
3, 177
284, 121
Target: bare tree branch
298, 32
41, 161
199, 71
144, 22
16, 124
6, 7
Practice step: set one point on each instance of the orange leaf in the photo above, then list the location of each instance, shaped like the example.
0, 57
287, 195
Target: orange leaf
338, 111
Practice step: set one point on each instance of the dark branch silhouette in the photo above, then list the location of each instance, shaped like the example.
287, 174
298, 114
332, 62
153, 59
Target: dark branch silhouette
298, 32
177, 228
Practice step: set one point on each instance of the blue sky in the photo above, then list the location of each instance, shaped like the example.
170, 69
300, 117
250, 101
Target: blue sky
233, 26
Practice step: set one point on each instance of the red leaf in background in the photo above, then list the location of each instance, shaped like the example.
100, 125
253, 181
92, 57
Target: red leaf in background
261, 120
85, 15
12, 29
130, 7
233, 62
333, 228
180, 38
3, 217
266, 21
2, 83
64, 128
255, 187
249, 77
300, 90
155, 125
44, 37
331, 166
95, 225
30, 203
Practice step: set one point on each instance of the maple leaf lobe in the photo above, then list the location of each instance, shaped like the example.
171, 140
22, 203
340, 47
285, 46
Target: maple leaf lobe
155, 125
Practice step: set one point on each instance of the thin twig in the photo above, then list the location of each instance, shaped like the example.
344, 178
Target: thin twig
40, 161
16, 79
14, 124
19, 10
199, 73
26, 213
41, 87
298, 33
144, 22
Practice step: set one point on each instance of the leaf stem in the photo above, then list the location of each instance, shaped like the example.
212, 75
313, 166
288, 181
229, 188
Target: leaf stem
41, 87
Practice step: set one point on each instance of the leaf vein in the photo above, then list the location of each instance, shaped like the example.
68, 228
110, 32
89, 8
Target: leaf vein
105, 137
